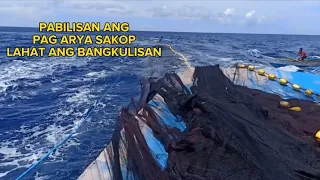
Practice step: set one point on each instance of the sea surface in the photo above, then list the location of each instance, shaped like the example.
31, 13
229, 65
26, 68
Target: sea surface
43, 99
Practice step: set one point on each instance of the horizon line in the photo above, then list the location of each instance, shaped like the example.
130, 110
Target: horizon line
168, 31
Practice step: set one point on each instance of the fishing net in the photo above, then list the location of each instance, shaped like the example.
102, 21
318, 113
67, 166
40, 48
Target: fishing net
232, 132
240, 133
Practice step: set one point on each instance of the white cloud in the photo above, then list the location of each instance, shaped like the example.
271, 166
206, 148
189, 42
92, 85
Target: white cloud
252, 19
98, 7
229, 11
227, 17
189, 12
250, 14
24, 13
258, 13
92, 5
193, 12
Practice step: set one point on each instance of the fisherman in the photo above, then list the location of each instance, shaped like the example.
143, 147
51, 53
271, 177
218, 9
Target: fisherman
303, 54
160, 39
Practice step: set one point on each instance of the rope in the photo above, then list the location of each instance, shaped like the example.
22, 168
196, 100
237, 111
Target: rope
281, 81
308, 92
181, 55
52, 150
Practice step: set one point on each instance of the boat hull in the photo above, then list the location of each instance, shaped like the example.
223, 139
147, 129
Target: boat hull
104, 166
286, 62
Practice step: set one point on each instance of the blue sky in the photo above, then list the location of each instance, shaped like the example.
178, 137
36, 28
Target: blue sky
271, 17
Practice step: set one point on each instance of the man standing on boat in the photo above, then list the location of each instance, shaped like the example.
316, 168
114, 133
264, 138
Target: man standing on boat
303, 54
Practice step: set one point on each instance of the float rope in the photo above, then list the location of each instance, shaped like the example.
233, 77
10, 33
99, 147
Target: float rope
281, 81
261, 72
56, 146
284, 82
93, 107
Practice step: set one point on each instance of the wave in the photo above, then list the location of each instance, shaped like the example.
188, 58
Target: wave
290, 68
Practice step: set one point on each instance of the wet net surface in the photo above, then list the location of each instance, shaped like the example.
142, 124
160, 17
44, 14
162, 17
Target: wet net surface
232, 133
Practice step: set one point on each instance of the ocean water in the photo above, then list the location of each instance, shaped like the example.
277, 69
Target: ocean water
43, 99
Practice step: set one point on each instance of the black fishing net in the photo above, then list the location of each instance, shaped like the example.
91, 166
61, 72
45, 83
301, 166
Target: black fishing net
235, 137
233, 132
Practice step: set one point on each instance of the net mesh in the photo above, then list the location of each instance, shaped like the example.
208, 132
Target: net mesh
232, 132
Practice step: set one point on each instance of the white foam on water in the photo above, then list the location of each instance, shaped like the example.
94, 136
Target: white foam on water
3, 174
268, 57
315, 57
143, 42
34, 141
27, 129
32, 84
254, 52
97, 74
81, 97
226, 59
289, 68
31, 142
35, 144
55, 89
7, 151
4, 86
37, 176
16, 70
55, 133
54, 81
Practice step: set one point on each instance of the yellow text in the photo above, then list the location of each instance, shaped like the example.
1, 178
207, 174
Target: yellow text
76, 39
57, 52
116, 27
52, 39
69, 27
37, 52
115, 39
119, 51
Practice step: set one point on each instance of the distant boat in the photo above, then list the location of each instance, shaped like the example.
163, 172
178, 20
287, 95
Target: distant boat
285, 62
